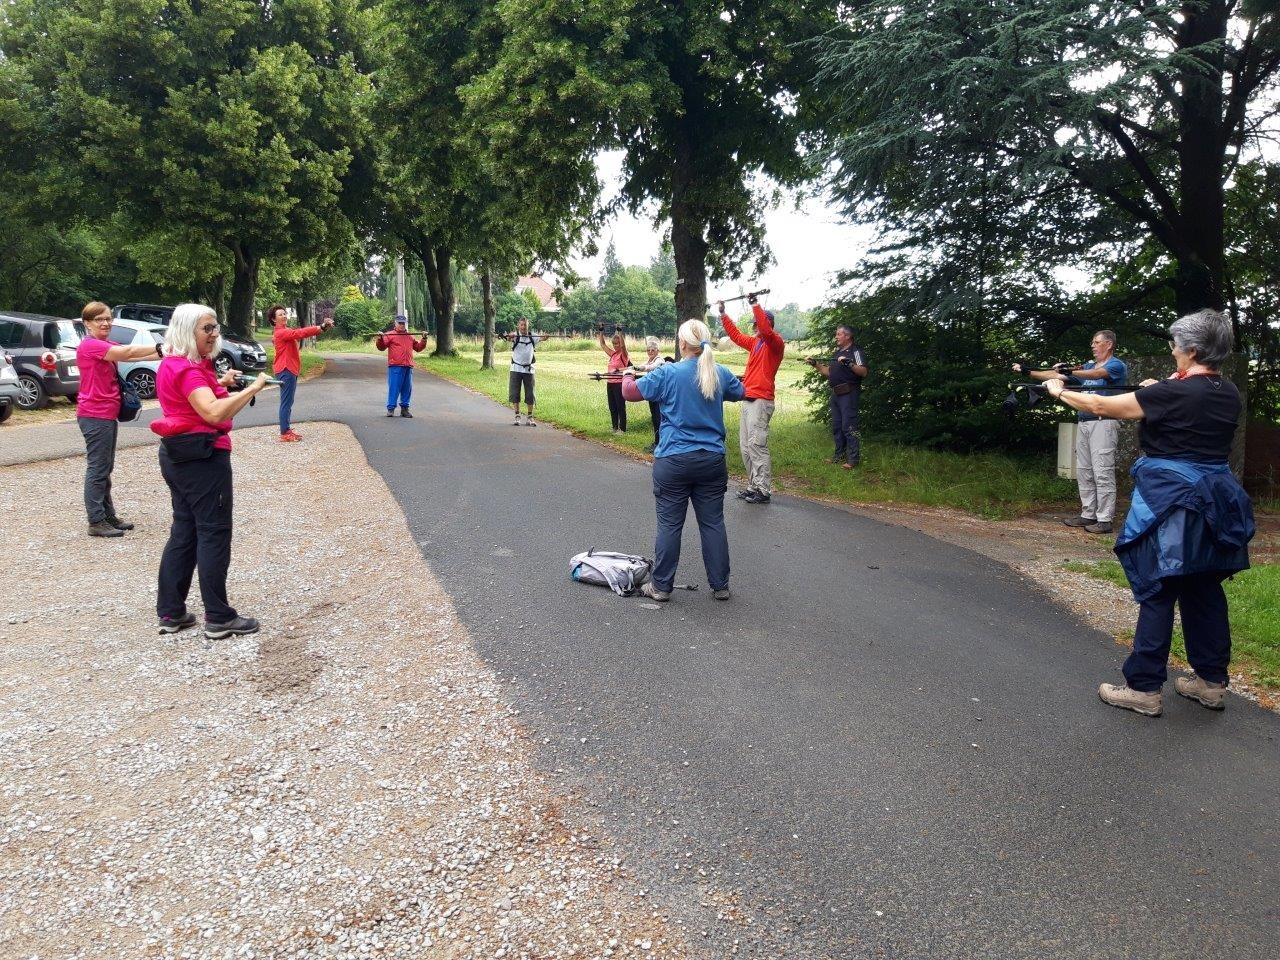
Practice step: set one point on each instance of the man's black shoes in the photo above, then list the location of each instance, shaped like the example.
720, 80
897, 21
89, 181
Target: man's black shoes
756, 496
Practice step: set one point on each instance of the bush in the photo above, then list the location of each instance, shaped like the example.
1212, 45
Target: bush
358, 319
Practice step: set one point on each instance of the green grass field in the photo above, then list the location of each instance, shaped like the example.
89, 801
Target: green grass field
1253, 601
990, 485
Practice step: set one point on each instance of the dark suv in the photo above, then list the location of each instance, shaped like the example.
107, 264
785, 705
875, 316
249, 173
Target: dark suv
44, 355
238, 352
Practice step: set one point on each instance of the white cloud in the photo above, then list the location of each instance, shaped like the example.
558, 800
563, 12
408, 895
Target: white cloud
809, 245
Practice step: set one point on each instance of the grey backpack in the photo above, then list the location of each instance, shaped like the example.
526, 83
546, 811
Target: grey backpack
622, 573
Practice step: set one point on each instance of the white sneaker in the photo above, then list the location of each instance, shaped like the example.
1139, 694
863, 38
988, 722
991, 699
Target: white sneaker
528, 420
516, 422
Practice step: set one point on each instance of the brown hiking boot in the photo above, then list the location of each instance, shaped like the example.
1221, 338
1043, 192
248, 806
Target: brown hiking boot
1126, 698
1195, 687
104, 529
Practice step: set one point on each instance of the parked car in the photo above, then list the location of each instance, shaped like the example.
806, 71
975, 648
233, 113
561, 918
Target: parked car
141, 373
8, 387
151, 313
44, 354
241, 353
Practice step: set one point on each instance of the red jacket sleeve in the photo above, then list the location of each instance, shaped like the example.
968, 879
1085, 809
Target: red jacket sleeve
301, 333
764, 329
380, 343
736, 335
420, 345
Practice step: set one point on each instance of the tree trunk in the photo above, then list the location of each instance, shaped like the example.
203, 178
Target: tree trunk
244, 288
436, 262
688, 241
1199, 281
486, 293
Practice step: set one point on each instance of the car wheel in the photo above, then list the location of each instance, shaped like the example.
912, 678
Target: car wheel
31, 395
144, 381
222, 363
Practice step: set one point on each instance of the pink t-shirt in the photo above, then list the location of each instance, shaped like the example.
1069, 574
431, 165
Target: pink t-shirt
176, 380
99, 395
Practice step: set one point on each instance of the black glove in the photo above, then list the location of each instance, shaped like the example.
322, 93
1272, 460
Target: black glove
600, 327
751, 298
1063, 368
1022, 368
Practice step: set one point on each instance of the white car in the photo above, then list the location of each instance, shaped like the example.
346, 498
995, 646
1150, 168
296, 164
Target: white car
10, 390
140, 373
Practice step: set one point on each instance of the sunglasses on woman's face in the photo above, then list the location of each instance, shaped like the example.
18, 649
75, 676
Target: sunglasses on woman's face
209, 328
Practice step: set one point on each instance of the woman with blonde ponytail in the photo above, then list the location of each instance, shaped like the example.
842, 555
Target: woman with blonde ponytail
689, 462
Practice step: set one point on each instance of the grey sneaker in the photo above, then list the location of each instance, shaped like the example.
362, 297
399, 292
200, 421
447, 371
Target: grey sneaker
391, 412
1102, 526
103, 528
184, 622
1195, 687
653, 593
1079, 521
1126, 698
237, 627
517, 422
528, 420
120, 524
721, 594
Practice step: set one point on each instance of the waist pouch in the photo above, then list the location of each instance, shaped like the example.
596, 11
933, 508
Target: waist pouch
186, 447
842, 389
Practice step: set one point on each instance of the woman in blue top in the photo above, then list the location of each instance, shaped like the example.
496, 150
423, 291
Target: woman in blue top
1189, 522
689, 460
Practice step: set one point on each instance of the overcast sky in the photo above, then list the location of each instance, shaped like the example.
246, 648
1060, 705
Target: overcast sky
809, 245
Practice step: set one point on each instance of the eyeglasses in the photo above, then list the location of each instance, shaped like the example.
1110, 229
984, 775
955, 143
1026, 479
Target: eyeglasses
209, 328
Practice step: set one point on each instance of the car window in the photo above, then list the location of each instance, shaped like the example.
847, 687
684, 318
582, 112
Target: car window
127, 313
11, 332
65, 333
154, 316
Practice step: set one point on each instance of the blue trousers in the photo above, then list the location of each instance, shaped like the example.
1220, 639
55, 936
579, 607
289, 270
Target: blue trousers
399, 387
700, 477
1204, 628
844, 427
288, 389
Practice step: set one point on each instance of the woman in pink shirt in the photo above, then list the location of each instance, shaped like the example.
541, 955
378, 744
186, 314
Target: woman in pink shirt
98, 411
619, 360
195, 461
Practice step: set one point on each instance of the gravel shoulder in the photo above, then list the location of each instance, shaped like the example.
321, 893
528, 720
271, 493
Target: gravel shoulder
348, 782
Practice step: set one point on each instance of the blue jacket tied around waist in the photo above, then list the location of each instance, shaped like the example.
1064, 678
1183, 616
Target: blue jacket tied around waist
1185, 518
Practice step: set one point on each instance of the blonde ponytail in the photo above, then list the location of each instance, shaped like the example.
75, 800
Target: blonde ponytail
698, 336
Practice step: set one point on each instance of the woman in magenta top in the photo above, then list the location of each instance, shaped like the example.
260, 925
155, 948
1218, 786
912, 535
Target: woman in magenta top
195, 461
98, 412
618, 361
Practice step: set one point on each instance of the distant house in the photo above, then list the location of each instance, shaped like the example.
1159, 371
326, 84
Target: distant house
545, 293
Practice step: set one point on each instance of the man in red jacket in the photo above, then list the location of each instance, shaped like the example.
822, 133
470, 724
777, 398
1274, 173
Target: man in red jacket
288, 364
764, 356
400, 347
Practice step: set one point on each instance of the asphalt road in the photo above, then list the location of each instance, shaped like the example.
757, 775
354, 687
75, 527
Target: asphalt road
883, 745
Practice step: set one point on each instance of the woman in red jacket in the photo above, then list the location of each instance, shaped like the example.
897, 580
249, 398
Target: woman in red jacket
288, 365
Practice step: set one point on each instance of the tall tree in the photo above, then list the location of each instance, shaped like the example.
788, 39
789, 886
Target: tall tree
1133, 115
703, 99
235, 120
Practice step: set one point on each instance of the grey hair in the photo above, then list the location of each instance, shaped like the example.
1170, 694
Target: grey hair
1108, 335
652, 343
846, 328
1207, 334
180, 338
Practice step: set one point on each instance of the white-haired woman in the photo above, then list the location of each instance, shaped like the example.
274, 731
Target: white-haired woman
689, 462
1189, 523
195, 461
653, 347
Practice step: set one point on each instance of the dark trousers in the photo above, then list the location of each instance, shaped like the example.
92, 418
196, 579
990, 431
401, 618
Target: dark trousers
1204, 628
844, 427
100, 460
617, 406
200, 537
288, 389
655, 415
399, 387
701, 477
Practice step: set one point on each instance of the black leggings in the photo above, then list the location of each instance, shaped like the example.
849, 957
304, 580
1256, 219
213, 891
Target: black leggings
617, 406
200, 537
655, 414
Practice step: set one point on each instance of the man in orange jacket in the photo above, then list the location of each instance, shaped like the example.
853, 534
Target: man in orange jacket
764, 355
288, 364
400, 346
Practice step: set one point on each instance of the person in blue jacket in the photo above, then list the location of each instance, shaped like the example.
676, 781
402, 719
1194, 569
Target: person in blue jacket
689, 462
1189, 523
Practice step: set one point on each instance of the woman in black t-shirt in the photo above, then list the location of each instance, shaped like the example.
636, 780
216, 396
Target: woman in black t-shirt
1190, 521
